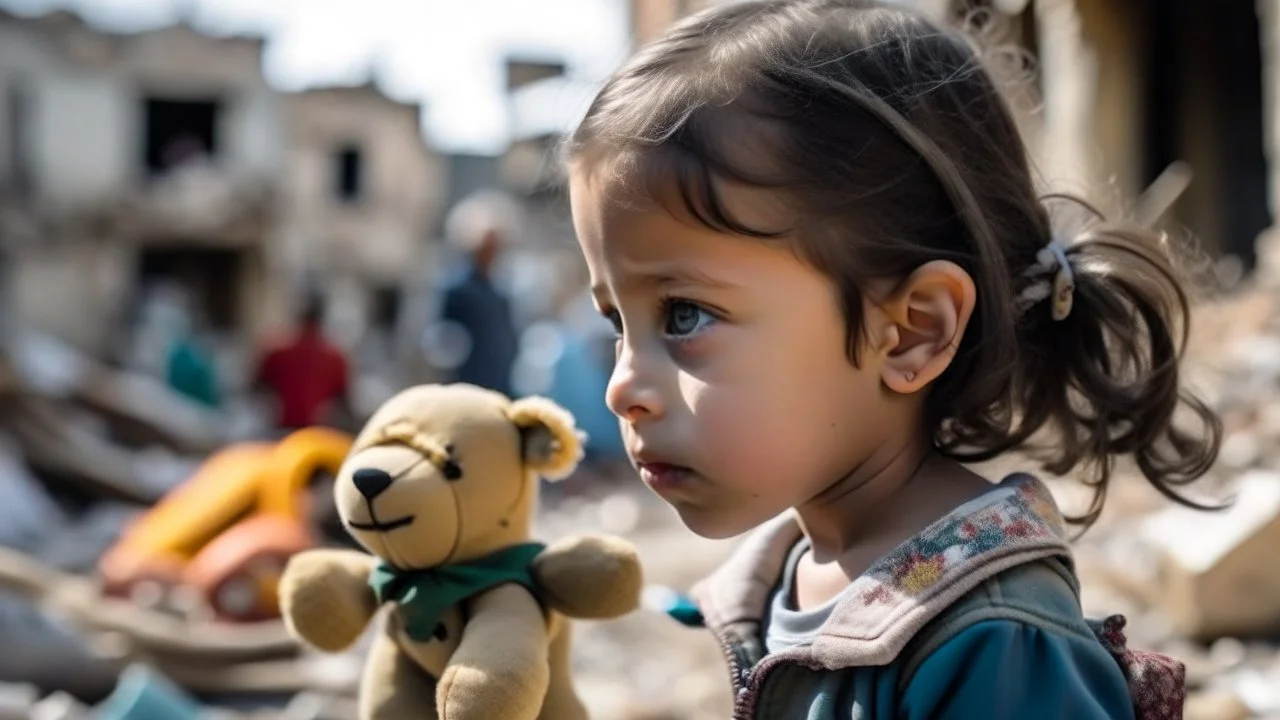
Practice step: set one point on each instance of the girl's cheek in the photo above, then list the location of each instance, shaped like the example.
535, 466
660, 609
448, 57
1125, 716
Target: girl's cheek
737, 435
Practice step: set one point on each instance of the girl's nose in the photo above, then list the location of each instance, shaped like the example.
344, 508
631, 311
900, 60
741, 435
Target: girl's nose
630, 395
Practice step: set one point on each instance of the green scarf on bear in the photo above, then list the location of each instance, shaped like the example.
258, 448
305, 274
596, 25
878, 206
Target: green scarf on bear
423, 595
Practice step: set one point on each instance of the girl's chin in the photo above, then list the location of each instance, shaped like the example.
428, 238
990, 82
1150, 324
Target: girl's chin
711, 524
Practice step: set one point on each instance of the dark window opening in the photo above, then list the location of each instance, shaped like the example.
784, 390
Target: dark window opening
1206, 108
212, 277
386, 307
177, 132
348, 173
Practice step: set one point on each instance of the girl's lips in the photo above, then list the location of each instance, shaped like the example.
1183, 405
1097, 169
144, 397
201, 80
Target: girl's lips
662, 476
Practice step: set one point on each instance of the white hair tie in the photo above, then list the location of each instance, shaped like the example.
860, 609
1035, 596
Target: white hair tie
1055, 279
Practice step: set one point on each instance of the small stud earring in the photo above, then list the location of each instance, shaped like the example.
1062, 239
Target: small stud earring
909, 376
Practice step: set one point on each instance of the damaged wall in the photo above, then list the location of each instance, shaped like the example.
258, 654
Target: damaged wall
84, 94
363, 185
140, 147
89, 122
364, 196
54, 290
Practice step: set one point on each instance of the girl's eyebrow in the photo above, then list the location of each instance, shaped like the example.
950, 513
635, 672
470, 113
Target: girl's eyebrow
664, 275
688, 276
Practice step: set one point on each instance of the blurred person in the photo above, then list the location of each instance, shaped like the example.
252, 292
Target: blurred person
157, 315
475, 337
307, 376
167, 343
814, 228
190, 366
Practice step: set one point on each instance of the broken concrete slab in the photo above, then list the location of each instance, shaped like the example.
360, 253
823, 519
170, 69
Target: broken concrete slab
49, 655
144, 411
144, 632
1259, 689
78, 545
1217, 571
43, 364
141, 410
60, 706
28, 515
54, 445
16, 700
1215, 705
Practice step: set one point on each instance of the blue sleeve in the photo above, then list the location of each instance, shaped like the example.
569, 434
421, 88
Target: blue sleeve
1003, 669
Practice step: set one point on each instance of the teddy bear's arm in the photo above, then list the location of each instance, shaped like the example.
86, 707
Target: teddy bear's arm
593, 577
499, 670
325, 597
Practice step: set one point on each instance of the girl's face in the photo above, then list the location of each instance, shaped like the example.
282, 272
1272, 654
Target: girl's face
735, 394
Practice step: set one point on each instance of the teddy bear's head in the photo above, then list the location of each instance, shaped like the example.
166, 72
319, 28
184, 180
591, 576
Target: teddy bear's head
447, 473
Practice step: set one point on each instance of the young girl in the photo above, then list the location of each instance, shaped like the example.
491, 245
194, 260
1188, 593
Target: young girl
814, 228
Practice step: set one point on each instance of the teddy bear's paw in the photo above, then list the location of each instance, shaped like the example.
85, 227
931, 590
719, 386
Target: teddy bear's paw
323, 601
472, 693
596, 577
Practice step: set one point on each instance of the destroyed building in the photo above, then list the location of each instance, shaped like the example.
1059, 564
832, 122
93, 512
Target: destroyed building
163, 156
136, 158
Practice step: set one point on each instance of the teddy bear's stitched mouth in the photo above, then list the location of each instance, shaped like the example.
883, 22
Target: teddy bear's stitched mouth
376, 526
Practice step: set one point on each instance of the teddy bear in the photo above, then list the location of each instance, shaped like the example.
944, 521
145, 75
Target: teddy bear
440, 487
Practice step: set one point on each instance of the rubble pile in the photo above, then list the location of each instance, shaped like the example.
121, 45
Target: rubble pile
83, 449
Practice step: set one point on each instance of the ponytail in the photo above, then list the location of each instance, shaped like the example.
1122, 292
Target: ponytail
1104, 380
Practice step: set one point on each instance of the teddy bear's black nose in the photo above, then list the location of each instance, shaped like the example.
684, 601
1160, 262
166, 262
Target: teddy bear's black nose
371, 482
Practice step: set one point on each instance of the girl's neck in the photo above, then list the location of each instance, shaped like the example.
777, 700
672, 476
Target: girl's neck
884, 502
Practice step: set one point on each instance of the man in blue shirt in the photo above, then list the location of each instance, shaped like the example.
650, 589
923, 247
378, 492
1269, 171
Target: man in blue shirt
473, 303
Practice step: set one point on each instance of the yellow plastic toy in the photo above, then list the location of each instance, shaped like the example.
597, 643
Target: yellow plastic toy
229, 530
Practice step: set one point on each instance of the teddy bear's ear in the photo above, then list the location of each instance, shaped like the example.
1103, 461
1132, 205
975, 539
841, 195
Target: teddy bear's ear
552, 441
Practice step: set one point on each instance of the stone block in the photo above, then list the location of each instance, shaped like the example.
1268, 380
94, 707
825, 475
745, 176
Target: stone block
1218, 574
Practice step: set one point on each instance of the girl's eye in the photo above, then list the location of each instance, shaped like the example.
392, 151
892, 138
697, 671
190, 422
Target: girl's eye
684, 318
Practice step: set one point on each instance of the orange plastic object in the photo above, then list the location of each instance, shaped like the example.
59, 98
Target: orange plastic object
240, 483
237, 573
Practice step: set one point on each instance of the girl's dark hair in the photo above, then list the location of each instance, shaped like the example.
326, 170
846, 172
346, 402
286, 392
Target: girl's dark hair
891, 146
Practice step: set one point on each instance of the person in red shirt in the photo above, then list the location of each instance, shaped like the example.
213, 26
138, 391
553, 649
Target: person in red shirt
308, 377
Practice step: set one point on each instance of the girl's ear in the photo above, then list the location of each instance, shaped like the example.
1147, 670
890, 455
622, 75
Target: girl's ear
552, 443
930, 311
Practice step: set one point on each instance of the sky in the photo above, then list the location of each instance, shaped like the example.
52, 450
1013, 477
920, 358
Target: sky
446, 54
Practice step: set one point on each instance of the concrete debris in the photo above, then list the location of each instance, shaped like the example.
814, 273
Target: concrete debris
1220, 580
16, 700
60, 706
39, 647
28, 515
1216, 705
